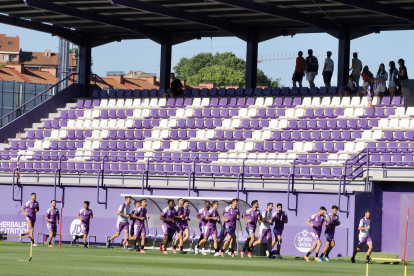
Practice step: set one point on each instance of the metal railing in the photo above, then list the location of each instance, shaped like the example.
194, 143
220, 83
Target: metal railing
192, 177
22, 109
95, 76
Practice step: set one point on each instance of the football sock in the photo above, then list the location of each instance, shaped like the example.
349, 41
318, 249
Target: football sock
175, 247
84, 244
277, 252
251, 249
317, 254
142, 247
222, 250
232, 251
307, 255
244, 249
50, 243
32, 240
181, 248
198, 246
322, 255
367, 257
216, 250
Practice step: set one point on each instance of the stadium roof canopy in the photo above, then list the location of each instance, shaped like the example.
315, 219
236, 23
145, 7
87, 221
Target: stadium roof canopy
90, 23
114, 20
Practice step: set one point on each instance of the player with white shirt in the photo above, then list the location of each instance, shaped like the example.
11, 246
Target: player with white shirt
265, 231
364, 228
122, 222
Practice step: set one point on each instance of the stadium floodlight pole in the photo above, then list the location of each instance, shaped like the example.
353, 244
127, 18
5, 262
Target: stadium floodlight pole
150, 32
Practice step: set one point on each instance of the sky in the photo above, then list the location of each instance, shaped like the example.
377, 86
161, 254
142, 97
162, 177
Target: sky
144, 55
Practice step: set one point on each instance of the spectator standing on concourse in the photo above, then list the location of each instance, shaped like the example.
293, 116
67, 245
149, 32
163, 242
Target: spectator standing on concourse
311, 68
328, 71
392, 86
366, 74
381, 81
299, 70
402, 74
356, 68
175, 87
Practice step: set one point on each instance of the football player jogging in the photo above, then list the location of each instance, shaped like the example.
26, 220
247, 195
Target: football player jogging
316, 221
140, 215
223, 232
202, 213
52, 217
212, 218
265, 231
84, 216
30, 209
132, 220
183, 216
233, 215
330, 233
168, 224
251, 216
122, 222
364, 228
280, 218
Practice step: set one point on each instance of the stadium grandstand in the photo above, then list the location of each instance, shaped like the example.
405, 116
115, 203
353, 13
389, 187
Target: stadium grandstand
96, 140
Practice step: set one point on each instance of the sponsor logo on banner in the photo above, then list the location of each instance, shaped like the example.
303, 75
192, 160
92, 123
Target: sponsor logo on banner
303, 241
75, 227
13, 227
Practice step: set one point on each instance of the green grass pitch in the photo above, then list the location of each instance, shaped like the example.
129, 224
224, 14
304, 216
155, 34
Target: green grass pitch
101, 261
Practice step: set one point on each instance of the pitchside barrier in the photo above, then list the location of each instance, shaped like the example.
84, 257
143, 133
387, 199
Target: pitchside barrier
2, 236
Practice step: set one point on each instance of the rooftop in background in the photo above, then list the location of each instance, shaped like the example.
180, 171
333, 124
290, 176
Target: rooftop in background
114, 20
9, 44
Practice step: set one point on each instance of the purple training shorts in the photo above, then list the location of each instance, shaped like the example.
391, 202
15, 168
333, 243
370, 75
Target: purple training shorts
329, 237
266, 233
210, 231
316, 236
31, 219
231, 230
365, 240
250, 231
181, 228
139, 230
278, 233
84, 229
52, 227
168, 230
122, 226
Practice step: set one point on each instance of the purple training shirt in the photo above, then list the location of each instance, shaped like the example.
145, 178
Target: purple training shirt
333, 223
280, 225
232, 216
30, 208
168, 213
53, 214
85, 215
317, 222
203, 213
212, 222
253, 216
140, 212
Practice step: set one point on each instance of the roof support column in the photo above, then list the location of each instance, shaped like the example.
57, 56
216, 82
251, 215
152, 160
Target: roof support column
165, 63
251, 60
344, 51
85, 59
